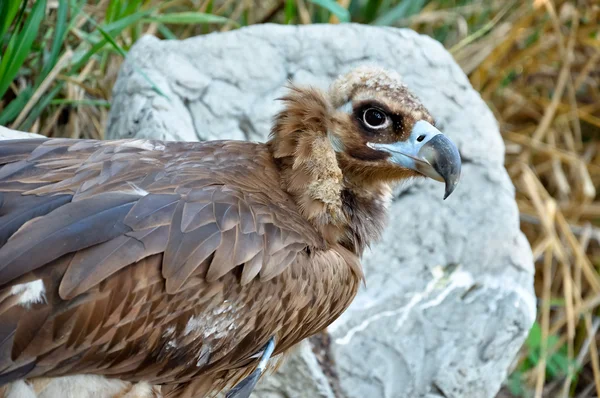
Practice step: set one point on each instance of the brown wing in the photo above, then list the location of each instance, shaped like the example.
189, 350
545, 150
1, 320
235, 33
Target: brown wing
223, 197
138, 258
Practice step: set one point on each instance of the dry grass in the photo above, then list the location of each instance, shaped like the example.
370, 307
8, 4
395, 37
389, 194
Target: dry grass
536, 64
541, 77
538, 67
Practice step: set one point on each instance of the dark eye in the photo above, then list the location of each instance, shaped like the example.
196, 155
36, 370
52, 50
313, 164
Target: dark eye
374, 118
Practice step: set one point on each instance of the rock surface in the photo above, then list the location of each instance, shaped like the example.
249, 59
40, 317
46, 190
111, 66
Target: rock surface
299, 377
8, 134
449, 297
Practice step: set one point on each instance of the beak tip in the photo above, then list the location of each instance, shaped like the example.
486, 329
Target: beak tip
445, 159
450, 187
446, 194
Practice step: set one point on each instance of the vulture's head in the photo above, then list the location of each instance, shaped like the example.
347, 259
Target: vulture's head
378, 130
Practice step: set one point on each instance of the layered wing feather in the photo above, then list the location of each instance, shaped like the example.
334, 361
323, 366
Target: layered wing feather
140, 246
118, 202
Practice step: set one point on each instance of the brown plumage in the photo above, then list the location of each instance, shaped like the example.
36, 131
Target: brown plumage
174, 263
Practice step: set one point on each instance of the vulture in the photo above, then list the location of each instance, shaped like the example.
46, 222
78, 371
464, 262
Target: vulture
145, 268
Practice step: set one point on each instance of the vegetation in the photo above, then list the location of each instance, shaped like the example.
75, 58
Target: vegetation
536, 63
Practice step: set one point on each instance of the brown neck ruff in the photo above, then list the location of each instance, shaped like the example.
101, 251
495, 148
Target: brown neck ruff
346, 207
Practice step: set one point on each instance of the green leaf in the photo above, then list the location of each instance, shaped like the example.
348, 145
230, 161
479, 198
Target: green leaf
551, 342
552, 368
532, 38
534, 356
20, 45
333, 7
403, 10
189, 18
561, 361
515, 384
510, 77
534, 339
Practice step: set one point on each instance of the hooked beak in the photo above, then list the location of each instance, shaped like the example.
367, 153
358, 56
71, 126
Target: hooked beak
427, 151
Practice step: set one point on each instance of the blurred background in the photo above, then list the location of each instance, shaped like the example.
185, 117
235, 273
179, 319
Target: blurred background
535, 62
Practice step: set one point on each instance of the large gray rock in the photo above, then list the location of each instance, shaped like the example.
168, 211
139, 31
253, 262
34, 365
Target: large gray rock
449, 297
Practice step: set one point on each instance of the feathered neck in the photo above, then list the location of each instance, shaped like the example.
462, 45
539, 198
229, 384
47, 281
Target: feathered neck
340, 206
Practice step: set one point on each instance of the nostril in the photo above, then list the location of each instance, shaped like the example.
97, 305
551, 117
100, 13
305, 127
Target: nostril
420, 138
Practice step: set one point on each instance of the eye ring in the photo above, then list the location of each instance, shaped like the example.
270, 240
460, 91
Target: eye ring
375, 119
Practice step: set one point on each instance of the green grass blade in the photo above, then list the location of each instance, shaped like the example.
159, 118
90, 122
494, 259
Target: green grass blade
8, 12
136, 33
190, 18
209, 7
59, 37
370, 10
20, 45
88, 37
15, 106
115, 27
118, 26
112, 11
290, 11
403, 10
112, 41
166, 32
137, 69
37, 110
123, 53
75, 9
111, 29
79, 63
333, 7
11, 38
88, 102
132, 6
